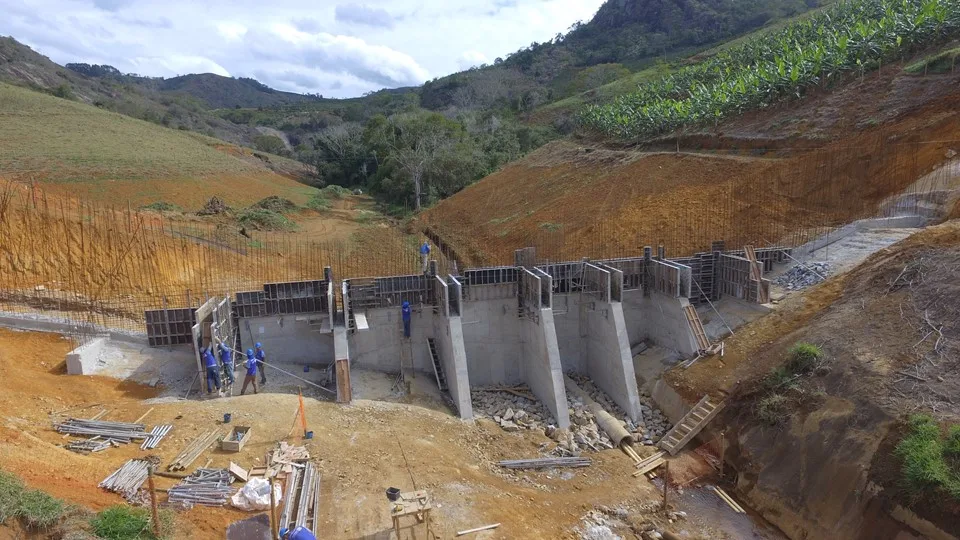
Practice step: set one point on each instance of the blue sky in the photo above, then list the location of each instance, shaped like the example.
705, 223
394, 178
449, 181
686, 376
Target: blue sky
339, 48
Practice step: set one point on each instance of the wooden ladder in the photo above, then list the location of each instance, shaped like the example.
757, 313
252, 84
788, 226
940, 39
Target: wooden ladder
690, 425
437, 366
703, 342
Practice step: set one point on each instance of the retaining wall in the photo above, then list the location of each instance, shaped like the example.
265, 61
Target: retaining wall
287, 339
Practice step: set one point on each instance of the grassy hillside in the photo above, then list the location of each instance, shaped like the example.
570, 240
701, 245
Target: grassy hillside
81, 149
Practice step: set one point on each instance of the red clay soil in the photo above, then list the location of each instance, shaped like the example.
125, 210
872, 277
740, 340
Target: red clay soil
573, 200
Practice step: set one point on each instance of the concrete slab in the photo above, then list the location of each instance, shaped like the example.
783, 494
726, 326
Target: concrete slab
85, 359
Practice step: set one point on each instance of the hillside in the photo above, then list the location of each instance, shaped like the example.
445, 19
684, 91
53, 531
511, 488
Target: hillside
79, 149
776, 175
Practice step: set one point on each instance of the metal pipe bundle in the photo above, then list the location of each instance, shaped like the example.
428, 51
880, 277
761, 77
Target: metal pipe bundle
193, 450
155, 435
128, 479
206, 487
302, 498
95, 444
545, 463
118, 431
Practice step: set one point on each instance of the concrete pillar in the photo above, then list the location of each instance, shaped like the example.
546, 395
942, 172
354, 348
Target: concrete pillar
541, 364
609, 362
448, 332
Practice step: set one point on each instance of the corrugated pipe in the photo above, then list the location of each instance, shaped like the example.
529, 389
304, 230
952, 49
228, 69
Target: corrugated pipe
610, 425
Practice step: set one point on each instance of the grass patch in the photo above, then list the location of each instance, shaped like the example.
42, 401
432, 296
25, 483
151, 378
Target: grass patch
773, 409
365, 217
265, 220
924, 453
162, 206
804, 358
318, 202
124, 522
11, 488
552, 227
39, 510
943, 62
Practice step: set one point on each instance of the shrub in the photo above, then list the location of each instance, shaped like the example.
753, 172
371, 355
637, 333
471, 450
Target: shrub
265, 220
365, 216
11, 488
552, 227
276, 204
773, 409
269, 143
804, 358
122, 523
41, 510
335, 192
162, 206
318, 202
952, 445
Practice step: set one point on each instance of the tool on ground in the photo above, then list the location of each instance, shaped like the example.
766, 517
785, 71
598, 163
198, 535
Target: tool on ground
478, 529
545, 463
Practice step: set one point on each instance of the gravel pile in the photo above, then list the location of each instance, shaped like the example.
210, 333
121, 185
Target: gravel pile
802, 276
515, 413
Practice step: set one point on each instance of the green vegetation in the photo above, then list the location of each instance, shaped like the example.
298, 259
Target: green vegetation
37, 509
930, 464
275, 204
365, 217
552, 227
319, 202
851, 37
943, 62
269, 143
124, 522
786, 387
262, 219
162, 206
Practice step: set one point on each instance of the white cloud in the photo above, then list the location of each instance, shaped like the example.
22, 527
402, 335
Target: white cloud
338, 50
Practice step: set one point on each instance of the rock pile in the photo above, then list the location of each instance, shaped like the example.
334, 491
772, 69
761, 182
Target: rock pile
512, 412
213, 207
802, 276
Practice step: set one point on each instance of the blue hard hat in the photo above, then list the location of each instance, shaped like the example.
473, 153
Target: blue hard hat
249, 352
405, 304
283, 531
258, 345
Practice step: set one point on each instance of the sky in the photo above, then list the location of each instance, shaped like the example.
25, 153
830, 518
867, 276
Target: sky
336, 48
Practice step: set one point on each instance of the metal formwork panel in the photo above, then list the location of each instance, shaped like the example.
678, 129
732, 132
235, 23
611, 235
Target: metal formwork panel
455, 295
666, 278
250, 304
295, 297
565, 277
734, 276
530, 295
632, 269
596, 282
169, 326
616, 282
440, 294
546, 288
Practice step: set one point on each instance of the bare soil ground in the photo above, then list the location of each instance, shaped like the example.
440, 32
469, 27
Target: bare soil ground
362, 449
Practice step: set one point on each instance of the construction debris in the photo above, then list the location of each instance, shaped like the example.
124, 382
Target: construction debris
545, 463
478, 529
285, 457
802, 276
121, 432
156, 434
729, 500
128, 479
205, 487
193, 450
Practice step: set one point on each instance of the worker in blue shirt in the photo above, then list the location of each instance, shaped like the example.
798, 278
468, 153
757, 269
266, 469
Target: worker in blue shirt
261, 356
405, 314
226, 358
251, 376
210, 362
299, 533
425, 255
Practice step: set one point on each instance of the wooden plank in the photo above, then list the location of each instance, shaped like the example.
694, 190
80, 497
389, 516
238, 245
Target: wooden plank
361, 320
238, 472
650, 466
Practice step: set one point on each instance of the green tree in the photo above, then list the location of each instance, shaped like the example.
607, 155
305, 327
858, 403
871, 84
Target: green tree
269, 143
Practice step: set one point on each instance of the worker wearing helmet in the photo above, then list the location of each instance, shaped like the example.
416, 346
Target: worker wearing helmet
299, 533
210, 363
405, 315
260, 363
251, 376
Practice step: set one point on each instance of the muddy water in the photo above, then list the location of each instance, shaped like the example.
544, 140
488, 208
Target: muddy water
706, 510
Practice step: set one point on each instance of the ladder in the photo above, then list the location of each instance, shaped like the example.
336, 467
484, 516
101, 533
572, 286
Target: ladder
690, 425
437, 366
703, 342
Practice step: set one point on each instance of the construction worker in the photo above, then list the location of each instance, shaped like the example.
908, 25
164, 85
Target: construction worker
405, 314
210, 362
251, 376
300, 533
260, 365
226, 358
425, 255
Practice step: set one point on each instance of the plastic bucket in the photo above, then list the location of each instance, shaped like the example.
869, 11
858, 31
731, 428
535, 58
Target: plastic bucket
393, 494
227, 417
309, 435
306, 369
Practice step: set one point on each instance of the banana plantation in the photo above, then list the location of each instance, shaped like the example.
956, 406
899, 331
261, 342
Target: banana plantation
849, 38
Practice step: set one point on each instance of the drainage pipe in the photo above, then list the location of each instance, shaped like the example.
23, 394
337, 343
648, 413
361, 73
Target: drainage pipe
610, 425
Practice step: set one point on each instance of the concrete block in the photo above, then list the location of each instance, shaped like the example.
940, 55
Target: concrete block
286, 339
84, 359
